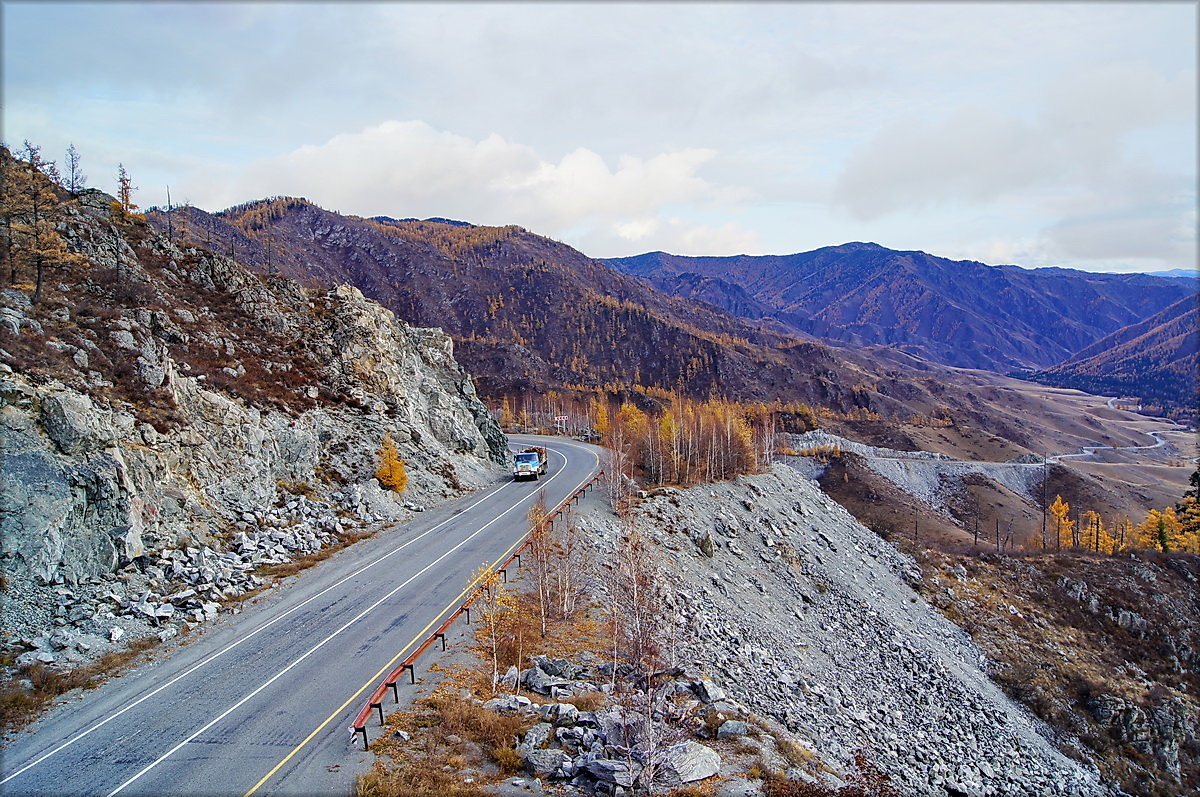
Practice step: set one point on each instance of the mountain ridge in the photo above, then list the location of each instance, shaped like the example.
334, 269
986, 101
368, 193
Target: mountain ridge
1154, 360
957, 312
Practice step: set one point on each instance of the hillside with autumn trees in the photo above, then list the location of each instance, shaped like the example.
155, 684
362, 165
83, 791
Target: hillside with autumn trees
1154, 360
529, 314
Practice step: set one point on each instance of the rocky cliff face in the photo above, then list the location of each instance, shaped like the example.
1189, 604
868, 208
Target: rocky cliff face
163, 399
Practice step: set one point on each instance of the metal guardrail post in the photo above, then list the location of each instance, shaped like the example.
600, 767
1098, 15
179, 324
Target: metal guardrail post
376, 701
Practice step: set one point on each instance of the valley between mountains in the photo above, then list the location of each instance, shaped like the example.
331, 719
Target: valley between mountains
860, 529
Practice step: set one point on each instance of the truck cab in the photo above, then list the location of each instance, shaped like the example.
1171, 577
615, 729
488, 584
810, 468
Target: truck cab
529, 464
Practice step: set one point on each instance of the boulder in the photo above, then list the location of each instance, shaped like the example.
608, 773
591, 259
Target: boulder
549, 764
708, 691
537, 736
537, 680
687, 762
509, 679
559, 713
732, 728
609, 770
509, 704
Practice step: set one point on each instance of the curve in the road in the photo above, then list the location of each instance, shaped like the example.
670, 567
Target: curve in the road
95, 736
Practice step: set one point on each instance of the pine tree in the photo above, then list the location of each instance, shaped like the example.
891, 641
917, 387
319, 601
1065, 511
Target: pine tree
31, 214
124, 207
74, 179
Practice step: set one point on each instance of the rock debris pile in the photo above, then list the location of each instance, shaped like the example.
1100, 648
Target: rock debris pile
933, 478
158, 593
809, 619
612, 750
151, 423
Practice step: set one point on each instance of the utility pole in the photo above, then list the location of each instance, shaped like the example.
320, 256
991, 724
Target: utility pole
998, 547
976, 541
170, 229
1045, 478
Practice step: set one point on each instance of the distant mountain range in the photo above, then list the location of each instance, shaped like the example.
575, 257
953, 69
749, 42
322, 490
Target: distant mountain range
527, 313
1177, 273
530, 313
961, 313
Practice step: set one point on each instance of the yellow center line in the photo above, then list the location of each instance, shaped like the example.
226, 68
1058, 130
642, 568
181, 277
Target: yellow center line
374, 678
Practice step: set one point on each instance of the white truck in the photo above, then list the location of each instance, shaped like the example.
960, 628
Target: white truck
530, 463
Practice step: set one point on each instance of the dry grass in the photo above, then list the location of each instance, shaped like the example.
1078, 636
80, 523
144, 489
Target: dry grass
705, 789
587, 701
519, 635
297, 487
867, 780
20, 704
451, 738
424, 780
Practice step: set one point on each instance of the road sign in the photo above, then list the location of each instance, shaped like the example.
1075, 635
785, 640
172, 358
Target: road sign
561, 418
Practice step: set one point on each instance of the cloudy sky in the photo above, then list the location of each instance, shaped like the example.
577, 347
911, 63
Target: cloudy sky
1029, 133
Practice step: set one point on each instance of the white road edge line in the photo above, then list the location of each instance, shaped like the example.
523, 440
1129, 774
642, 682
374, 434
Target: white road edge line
246, 638
596, 466
321, 644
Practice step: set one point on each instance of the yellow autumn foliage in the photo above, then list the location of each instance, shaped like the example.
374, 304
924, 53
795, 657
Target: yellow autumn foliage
391, 472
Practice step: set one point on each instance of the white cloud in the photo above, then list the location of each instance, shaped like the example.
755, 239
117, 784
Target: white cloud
1145, 239
1083, 161
674, 235
927, 123
410, 169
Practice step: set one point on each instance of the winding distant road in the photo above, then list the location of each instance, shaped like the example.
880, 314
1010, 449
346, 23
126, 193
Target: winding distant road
1090, 451
262, 702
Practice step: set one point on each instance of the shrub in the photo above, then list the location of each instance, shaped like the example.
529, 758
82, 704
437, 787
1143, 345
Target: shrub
391, 472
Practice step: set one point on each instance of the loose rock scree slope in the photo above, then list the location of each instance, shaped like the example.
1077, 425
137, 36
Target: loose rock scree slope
808, 618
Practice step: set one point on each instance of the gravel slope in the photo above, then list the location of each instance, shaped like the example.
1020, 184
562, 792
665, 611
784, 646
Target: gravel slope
807, 617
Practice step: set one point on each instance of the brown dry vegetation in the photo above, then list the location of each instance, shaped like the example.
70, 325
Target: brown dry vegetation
19, 704
1072, 634
452, 738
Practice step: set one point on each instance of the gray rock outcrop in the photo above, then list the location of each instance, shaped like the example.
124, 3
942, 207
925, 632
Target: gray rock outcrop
123, 451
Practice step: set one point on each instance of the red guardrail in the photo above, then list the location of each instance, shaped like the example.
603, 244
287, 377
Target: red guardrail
375, 703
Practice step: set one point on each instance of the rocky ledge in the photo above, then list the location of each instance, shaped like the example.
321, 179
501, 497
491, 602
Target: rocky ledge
165, 434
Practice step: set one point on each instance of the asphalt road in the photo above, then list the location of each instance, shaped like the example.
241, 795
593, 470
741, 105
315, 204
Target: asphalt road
263, 700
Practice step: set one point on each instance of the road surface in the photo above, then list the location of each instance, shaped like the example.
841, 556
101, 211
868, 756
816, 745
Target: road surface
262, 702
